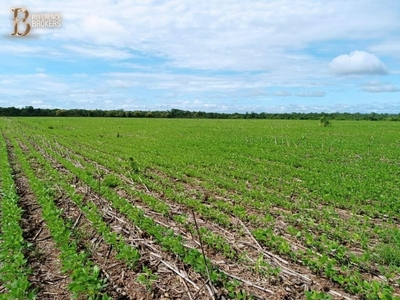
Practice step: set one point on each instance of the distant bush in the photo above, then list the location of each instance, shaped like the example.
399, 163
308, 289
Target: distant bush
324, 121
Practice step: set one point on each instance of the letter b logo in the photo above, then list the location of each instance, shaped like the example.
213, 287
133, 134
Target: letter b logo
24, 20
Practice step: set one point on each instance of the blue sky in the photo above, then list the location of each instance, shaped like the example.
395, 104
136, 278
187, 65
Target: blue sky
222, 56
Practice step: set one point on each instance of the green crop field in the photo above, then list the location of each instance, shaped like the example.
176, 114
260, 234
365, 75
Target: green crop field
104, 208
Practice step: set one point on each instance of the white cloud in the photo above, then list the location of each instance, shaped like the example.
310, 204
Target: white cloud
99, 52
358, 63
78, 92
6, 82
282, 94
378, 107
27, 49
80, 75
311, 94
118, 83
108, 31
181, 82
379, 87
41, 75
254, 84
390, 48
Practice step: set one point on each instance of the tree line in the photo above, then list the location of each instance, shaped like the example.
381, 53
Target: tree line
30, 111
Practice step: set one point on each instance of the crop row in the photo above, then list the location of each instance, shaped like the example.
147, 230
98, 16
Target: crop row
13, 264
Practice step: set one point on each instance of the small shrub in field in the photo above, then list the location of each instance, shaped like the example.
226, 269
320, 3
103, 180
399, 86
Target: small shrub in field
111, 181
324, 121
133, 165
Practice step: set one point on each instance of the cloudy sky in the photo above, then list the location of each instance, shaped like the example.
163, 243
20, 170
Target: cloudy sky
209, 55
